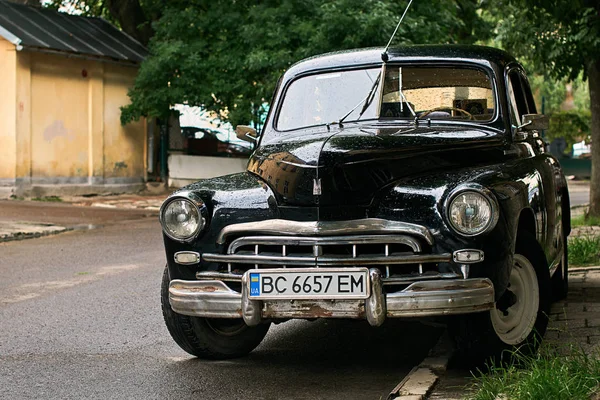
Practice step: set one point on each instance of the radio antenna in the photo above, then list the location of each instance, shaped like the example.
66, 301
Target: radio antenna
384, 55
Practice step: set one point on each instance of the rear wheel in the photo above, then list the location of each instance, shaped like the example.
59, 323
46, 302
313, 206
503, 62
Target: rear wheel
520, 318
209, 338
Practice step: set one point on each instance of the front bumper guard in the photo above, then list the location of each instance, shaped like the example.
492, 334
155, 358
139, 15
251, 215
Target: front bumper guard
214, 299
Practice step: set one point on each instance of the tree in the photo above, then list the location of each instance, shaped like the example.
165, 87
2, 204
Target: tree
562, 39
134, 17
227, 55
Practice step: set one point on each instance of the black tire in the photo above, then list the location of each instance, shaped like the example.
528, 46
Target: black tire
479, 338
560, 279
209, 338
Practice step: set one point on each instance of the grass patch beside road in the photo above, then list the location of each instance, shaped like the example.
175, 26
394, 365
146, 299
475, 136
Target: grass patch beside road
584, 250
47, 198
545, 376
580, 220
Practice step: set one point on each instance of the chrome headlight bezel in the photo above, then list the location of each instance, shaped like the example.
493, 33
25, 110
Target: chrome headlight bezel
195, 201
480, 190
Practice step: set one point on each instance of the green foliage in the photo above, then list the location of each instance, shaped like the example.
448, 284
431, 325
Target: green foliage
227, 55
549, 375
52, 199
583, 221
584, 250
560, 37
574, 126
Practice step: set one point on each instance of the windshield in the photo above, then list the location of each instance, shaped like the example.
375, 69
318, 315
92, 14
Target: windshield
449, 93
325, 98
445, 93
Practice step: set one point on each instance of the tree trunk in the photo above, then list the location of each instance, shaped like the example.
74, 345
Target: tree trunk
593, 71
131, 17
28, 2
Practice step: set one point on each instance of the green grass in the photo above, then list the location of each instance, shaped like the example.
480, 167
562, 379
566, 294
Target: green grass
584, 250
545, 376
48, 198
580, 220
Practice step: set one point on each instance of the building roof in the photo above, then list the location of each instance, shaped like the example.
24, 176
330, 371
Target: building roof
42, 29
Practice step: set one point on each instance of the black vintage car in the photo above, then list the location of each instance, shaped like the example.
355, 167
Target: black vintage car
414, 187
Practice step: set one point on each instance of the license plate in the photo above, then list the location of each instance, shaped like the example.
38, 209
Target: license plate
309, 283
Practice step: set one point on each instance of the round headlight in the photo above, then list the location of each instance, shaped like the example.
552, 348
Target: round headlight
182, 219
471, 213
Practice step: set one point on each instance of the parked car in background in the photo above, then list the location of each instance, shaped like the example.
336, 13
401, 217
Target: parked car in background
416, 187
207, 142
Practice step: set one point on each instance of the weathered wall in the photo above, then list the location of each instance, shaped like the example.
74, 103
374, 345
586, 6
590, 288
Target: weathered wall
68, 130
8, 65
124, 147
184, 169
60, 105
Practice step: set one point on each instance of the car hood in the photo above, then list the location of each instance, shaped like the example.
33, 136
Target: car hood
349, 166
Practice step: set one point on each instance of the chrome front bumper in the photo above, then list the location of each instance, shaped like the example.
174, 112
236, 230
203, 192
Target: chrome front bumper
214, 299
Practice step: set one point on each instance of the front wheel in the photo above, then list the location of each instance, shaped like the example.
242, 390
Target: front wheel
209, 338
520, 319
560, 279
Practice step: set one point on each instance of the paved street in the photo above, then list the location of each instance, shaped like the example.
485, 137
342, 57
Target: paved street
579, 192
80, 318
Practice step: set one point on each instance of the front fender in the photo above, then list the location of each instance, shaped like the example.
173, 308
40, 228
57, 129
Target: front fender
422, 201
229, 199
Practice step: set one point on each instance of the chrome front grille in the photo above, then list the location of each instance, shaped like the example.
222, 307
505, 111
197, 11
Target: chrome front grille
400, 258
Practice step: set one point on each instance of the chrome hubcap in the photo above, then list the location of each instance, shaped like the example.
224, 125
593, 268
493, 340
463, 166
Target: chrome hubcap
516, 323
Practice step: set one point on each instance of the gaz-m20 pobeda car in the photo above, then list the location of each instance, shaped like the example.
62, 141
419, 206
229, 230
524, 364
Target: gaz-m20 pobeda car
413, 183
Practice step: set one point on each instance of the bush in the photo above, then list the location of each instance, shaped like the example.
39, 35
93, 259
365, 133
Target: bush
574, 126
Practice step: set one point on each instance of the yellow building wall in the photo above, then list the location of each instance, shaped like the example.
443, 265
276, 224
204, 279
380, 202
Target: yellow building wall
59, 119
68, 124
124, 147
8, 66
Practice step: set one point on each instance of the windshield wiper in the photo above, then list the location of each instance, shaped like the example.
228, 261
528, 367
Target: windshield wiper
403, 98
366, 103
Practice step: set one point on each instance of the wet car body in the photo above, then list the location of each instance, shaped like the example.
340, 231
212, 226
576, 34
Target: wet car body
358, 172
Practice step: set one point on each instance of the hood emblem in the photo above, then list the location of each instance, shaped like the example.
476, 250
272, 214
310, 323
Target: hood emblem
317, 187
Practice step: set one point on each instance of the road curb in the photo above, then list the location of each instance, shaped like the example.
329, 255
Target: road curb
583, 269
422, 378
23, 230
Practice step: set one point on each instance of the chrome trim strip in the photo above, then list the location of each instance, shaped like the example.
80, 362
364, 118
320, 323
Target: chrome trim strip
323, 241
404, 279
323, 261
219, 276
325, 228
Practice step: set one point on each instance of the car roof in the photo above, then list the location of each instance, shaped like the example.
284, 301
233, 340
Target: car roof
372, 56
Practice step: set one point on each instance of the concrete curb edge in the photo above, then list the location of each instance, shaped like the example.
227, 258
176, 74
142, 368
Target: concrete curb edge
421, 379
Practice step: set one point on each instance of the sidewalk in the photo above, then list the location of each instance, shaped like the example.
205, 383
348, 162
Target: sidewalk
23, 230
51, 216
575, 320
127, 201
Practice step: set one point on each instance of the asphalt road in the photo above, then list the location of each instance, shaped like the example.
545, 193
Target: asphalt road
579, 192
80, 318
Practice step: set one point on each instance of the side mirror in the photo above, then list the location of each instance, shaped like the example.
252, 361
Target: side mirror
535, 122
246, 133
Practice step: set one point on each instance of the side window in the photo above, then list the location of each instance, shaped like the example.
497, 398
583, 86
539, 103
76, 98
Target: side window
518, 103
528, 95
